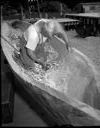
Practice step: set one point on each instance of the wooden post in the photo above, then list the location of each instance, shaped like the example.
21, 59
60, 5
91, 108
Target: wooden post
61, 9
1, 12
29, 9
7, 89
39, 9
22, 14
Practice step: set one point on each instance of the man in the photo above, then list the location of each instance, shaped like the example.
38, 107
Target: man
41, 31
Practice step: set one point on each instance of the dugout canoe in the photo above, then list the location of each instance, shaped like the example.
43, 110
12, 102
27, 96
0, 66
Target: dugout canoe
69, 90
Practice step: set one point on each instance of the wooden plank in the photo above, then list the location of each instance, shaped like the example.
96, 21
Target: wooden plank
61, 20
90, 15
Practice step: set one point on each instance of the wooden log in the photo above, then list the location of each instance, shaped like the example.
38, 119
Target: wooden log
66, 100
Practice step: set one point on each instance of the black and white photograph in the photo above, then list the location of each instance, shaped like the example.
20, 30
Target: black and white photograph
50, 63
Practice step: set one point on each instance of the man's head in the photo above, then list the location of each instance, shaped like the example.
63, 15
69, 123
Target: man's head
50, 26
48, 29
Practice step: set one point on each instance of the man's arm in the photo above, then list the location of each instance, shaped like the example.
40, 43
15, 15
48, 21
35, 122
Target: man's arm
64, 37
59, 31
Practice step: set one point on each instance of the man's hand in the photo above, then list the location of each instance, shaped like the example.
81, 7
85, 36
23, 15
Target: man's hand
45, 67
42, 63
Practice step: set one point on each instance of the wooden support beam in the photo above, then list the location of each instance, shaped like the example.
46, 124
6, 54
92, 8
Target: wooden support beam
7, 92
